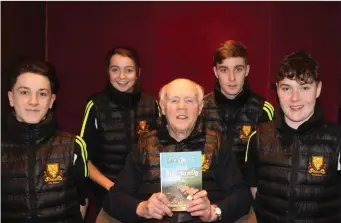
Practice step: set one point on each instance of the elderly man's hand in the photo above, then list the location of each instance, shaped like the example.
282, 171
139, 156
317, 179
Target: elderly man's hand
155, 207
200, 206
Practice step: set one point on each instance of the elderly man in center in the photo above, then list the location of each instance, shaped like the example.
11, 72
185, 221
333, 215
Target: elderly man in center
136, 196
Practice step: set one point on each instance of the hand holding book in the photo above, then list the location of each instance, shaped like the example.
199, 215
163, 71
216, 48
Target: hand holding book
155, 207
200, 206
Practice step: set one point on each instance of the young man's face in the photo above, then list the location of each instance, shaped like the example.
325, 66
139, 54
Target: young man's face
122, 73
297, 100
31, 97
231, 74
181, 106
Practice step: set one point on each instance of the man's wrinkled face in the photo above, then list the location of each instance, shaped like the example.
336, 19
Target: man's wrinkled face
231, 74
31, 97
181, 106
297, 100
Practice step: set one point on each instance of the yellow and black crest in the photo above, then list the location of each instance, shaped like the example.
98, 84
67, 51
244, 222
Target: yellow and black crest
205, 163
52, 174
317, 167
245, 132
142, 127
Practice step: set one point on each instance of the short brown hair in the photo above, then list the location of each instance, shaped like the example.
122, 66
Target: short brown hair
230, 48
37, 67
299, 66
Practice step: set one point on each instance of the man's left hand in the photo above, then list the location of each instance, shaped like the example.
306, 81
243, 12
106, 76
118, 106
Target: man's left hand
200, 206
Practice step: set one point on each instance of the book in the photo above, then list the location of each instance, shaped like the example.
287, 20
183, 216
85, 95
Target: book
181, 177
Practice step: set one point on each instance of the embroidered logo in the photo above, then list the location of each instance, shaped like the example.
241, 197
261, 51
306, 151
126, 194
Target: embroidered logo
52, 174
317, 167
142, 127
205, 163
245, 132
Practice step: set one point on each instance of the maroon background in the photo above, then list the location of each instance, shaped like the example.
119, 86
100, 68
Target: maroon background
174, 39
22, 35
177, 39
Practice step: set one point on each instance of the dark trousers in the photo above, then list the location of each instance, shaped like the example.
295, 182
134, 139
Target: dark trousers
95, 206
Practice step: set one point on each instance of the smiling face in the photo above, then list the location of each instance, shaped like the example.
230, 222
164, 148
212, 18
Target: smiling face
123, 73
181, 106
297, 100
231, 74
31, 97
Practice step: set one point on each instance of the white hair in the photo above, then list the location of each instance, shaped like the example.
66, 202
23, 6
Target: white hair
199, 94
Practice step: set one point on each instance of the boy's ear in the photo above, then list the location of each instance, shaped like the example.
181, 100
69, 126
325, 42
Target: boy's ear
10, 98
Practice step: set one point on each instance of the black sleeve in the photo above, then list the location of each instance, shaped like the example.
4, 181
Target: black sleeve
237, 196
339, 168
267, 113
339, 164
156, 116
89, 130
252, 160
120, 202
80, 170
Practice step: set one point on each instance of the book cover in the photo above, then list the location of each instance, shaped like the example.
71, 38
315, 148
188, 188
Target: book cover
181, 177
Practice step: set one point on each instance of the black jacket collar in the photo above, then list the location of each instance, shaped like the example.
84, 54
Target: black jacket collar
30, 134
238, 101
124, 99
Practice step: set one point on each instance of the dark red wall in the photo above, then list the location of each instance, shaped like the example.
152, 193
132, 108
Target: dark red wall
177, 39
315, 27
22, 35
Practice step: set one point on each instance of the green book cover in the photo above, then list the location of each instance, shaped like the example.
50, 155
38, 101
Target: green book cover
181, 177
